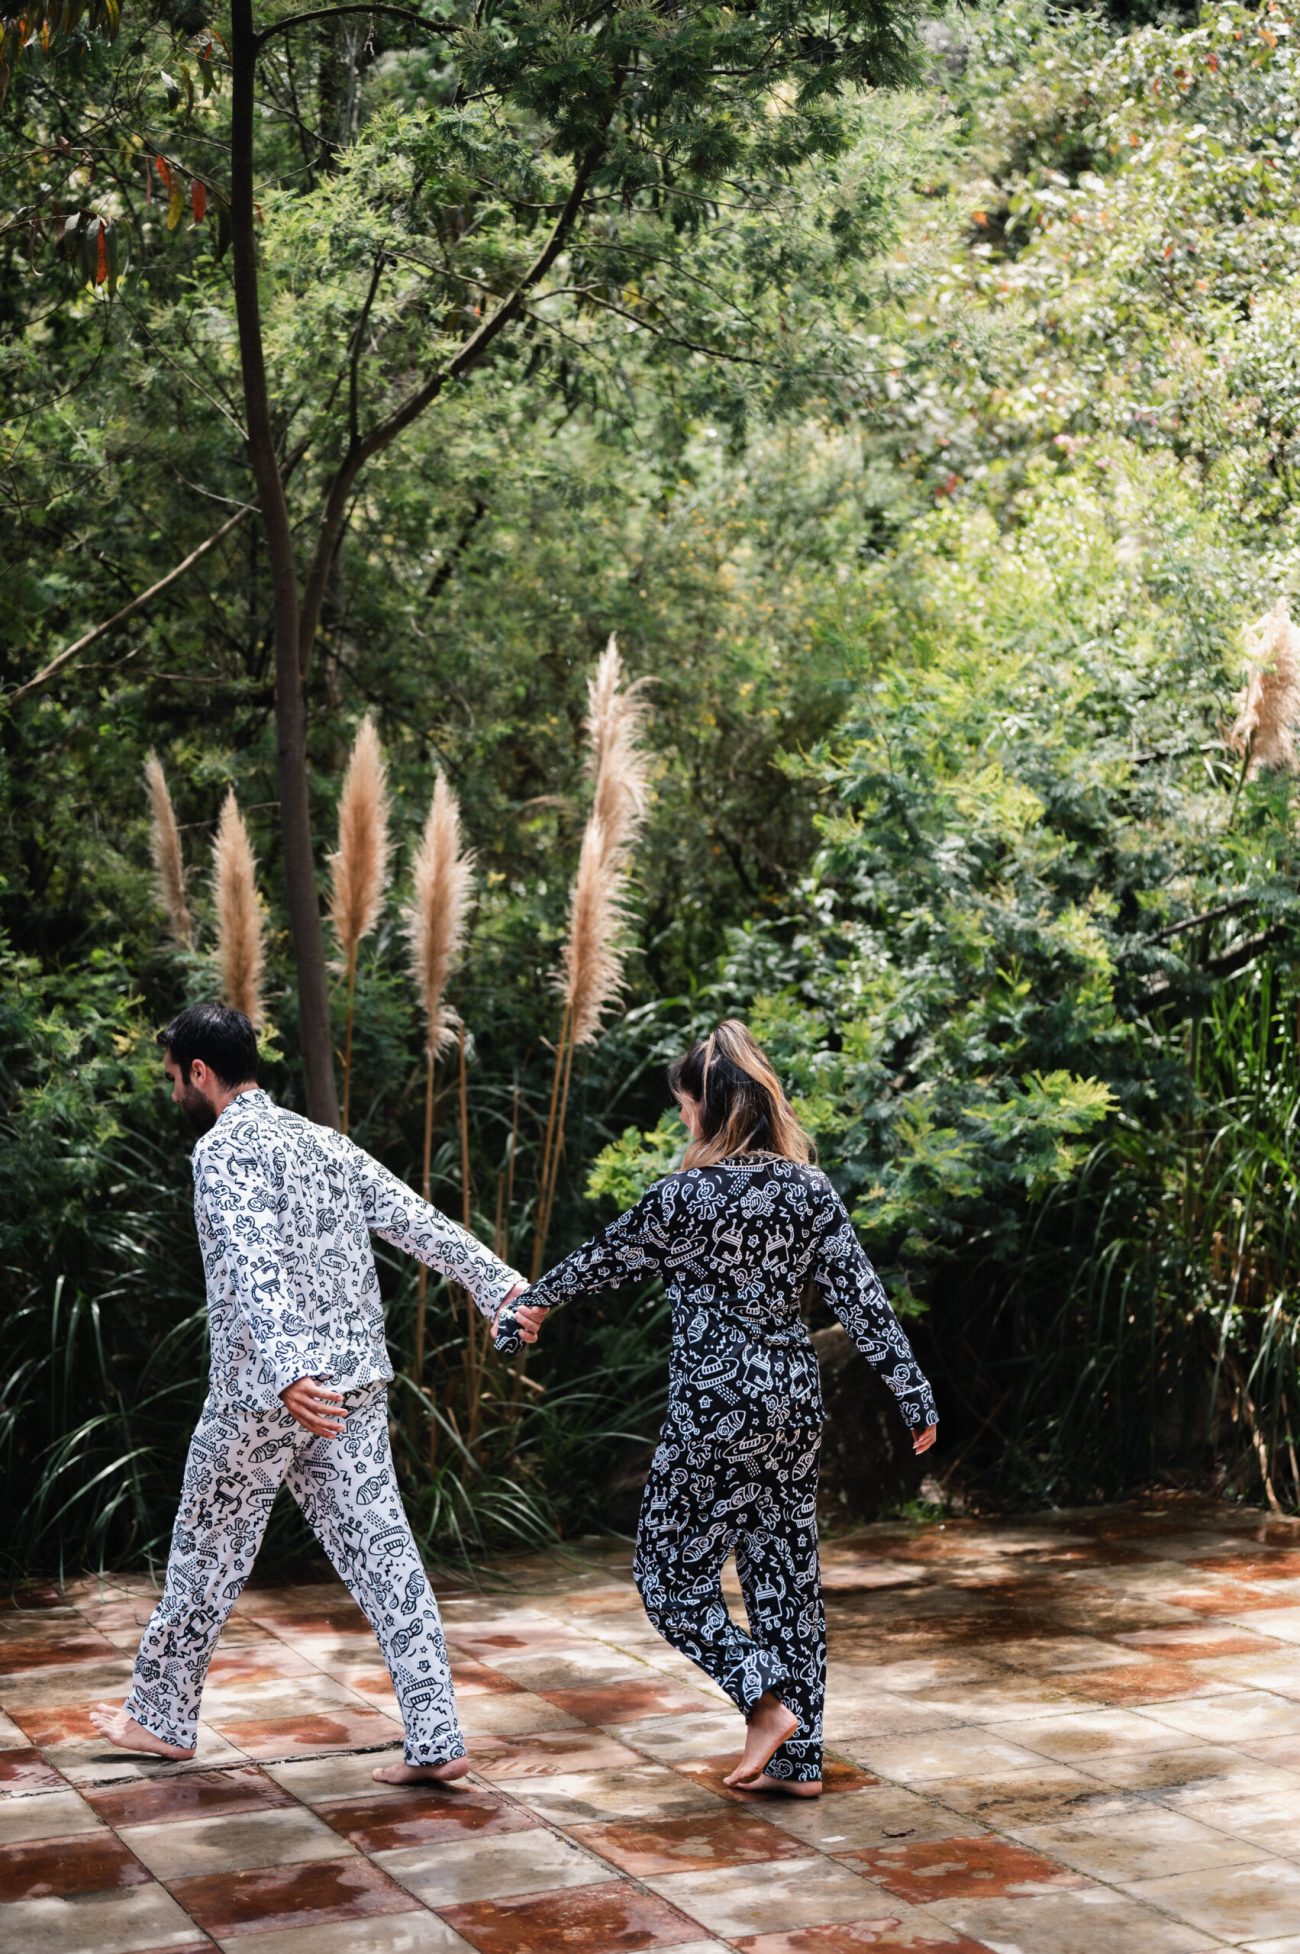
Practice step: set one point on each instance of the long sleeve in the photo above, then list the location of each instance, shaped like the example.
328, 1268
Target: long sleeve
632, 1248
856, 1294
240, 1213
397, 1214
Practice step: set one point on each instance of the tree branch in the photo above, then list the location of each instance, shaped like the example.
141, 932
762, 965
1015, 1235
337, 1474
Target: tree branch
138, 603
336, 13
464, 360
354, 353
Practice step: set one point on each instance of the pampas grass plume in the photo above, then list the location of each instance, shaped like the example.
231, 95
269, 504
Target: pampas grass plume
438, 912
239, 912
593, 964
168, 862
1270, 707
616, 715
359, 870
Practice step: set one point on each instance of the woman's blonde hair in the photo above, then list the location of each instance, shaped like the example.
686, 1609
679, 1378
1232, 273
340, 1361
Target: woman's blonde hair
742, 1106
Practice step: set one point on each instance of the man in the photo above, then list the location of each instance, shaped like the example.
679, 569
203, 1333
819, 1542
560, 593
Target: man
297, 1393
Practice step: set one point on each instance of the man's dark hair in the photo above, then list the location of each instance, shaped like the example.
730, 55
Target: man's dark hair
222, 1038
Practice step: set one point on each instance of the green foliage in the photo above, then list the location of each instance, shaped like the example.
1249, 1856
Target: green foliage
928, 452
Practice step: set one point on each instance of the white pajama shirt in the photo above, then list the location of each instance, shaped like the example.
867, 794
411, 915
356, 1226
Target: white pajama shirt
285, 1210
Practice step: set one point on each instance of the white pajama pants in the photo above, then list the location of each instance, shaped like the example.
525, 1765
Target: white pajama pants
348, 1493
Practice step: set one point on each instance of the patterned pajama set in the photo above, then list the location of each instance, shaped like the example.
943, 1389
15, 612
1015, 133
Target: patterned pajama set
736, 1468
285, 1210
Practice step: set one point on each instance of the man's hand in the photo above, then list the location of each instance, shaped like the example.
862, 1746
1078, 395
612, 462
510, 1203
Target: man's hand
924, 1440
316, 1407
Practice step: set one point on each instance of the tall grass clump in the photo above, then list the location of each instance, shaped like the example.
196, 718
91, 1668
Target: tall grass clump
168, 861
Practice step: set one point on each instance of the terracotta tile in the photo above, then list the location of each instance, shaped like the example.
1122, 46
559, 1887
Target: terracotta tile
89, 1862
606, 1916
50, 1727
231, 1842
1083, 1920
26, 1770
269, 1664
1195, 1641
1227, 1600
773, 1898
627, 1702
1231, 1902
69, 1686
724, 1838
387, 1933
649, 1791
548, 1752
886, 1936
521, 1714
1139, 1682
960, 1868
45, 1815
449, 1872
385, 1824
837, 1776
126, 1920
1121, 1839
1272, 1564
305, 1735
1231, 1718
229, 1904
197, 1794
52, 1647
472, 1678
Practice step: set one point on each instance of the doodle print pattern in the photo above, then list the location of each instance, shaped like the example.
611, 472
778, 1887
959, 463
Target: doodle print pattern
285, 1210
737, 1245
348, 1493
759, 1498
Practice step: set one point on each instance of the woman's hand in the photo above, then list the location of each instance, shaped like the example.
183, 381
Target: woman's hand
924, 1440
316, 1406
527, 1320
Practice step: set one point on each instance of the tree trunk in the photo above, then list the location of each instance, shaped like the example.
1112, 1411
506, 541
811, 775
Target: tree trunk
290, 705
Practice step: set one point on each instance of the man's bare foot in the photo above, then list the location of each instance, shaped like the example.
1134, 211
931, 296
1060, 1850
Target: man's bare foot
784, 1787
421, 1773
127, 1734
768, 1726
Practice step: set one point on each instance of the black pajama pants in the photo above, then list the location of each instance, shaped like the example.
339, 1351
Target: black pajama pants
757, 1496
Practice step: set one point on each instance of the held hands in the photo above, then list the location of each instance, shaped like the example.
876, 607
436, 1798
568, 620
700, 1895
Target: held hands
316, 1406
511, 1326
925, 1439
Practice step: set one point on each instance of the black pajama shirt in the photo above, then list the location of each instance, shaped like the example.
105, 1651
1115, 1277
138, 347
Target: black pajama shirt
737, 1246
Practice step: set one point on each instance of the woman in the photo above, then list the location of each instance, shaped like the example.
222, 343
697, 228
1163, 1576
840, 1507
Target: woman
737, 1236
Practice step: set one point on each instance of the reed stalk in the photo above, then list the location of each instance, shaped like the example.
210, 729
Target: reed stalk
240, 947
436, 919
168, 861
358, 871
595, 948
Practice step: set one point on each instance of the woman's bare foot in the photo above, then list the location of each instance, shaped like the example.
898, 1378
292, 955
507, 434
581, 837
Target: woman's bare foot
127, 1734
784, 1787
421, 1773
768, 1726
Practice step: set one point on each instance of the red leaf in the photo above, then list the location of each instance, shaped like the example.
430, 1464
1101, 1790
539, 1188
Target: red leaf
101, 259
198, 199
164, 170
148, 183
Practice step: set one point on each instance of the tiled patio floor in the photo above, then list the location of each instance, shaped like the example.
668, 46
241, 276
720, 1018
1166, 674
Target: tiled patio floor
1065, 1735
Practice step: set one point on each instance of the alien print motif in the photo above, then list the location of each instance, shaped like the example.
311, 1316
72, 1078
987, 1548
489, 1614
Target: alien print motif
757, 1498
737, 1245
348, 1492
285, 1210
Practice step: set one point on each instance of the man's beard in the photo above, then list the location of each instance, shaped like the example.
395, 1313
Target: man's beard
200, 1112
